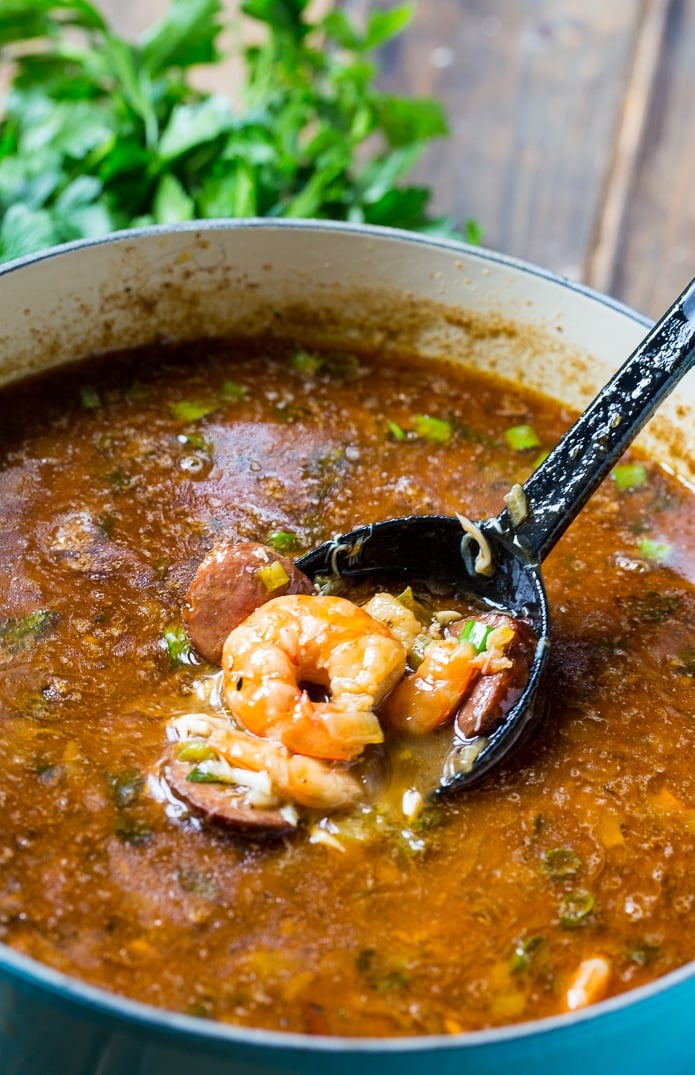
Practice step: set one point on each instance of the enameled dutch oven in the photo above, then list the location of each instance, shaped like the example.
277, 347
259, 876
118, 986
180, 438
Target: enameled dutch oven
328, 282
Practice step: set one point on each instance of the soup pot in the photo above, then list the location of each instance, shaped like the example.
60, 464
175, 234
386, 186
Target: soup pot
327, 283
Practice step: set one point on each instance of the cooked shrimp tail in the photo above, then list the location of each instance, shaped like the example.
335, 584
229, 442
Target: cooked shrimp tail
298, 642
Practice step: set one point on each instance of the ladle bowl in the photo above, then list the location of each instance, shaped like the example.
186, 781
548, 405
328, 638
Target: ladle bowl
515, 542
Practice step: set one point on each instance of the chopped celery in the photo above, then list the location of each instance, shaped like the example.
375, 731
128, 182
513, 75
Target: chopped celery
273, 576
522, 437
629, 476
437, 430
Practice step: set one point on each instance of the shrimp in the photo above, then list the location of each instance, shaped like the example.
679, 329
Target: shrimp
478, 686
306, 781
235, 779
426, 699
328, 642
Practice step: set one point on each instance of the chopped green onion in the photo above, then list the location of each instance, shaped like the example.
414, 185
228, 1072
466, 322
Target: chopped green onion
18, 633
233, 392
522, 438
138, 392
282, 540
643, 955
395, 431
541, 457
178, 645
196, 441
561, 862
575, 908
523, 950
305, 362
133, 831
341, 365
202, 776
658, 551
89, 398
124, 788
192, 410
629, 476
437, 430
273, 576
476, 633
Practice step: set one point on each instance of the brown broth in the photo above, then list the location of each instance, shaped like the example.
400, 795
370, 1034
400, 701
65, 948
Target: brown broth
115, 479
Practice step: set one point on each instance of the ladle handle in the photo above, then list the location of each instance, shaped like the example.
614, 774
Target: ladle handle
559, 488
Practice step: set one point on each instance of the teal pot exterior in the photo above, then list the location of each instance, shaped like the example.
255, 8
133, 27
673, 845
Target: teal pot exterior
223, 277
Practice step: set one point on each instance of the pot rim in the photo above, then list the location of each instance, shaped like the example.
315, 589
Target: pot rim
35, 976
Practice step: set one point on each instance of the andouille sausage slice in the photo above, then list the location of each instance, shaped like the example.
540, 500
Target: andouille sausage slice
227, 588
492, 696
217, 805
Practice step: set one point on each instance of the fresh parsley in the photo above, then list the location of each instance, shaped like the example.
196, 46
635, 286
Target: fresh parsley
99, 133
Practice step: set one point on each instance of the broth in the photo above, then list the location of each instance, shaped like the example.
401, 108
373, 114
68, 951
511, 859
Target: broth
116, 478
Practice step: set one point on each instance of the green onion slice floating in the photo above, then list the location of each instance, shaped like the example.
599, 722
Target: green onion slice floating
630, 476
521, 438
476, 633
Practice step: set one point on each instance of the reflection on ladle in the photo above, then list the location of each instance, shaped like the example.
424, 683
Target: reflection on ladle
520, 537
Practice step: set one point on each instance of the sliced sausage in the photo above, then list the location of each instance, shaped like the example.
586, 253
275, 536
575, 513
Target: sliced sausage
217, 805
492, 696
227, 588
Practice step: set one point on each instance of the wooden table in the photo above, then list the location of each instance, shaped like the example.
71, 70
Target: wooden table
572, 129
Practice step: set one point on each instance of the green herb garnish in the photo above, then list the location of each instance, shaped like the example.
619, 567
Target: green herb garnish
523, 952
187, 410
102, 133
438, 430
19, 633
194, 751
575, 908
89, 398
394, 431
306, 363
658, 551
124, 788
282, 541
629, 476
521, 438
476, 633
231, 392
561, 862
178, 645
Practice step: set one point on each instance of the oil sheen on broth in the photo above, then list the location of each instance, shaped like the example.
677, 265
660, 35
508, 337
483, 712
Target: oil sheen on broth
566, 878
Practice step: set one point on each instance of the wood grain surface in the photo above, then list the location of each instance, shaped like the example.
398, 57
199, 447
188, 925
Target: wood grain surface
572, 132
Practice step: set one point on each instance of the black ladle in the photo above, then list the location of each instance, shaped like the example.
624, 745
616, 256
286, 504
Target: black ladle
434, 546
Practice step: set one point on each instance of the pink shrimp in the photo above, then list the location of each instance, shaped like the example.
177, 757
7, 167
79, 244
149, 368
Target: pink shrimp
296, 641
426, 699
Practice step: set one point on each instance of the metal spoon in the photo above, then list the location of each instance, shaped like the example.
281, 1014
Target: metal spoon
434, 546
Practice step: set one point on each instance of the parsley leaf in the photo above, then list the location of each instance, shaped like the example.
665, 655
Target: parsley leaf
100, 133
